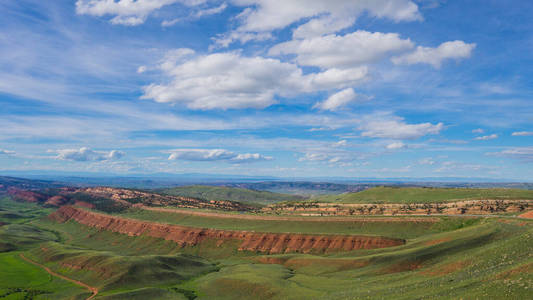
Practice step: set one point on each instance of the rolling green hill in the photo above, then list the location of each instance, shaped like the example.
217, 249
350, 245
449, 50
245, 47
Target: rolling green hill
425, 195
230, 194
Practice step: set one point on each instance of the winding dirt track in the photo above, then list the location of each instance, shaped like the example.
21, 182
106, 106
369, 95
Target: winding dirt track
279, 218
93, 290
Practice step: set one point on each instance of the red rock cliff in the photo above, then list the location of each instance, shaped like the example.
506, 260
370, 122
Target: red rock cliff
251, 241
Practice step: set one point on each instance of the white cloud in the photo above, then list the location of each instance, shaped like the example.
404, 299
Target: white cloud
479, 130
198, 14
215, 155
211, 11
322, 25
396, 146
86, 154
341, 143
229, 80
435, 56
347, 51
520, 153
398, 129
522, 133
262, 16
7, 152
126, 12
486, 137
337, 100
426, 161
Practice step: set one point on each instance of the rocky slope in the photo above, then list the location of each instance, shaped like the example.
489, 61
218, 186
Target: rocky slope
471, 207
249, 241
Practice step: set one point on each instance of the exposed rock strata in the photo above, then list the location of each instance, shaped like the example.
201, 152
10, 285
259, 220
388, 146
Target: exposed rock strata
470, 207
127, 197
250, 241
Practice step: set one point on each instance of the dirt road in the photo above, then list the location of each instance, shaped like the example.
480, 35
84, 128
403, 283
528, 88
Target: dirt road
93, 290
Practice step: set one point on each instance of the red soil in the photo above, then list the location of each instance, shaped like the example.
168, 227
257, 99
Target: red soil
437, 241
27, 196
250, 241
84, 204
446, 269
328, 265
56, 200
528, 215
402, 267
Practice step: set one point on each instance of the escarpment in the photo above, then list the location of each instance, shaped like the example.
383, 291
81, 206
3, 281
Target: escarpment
250, 241
472, 207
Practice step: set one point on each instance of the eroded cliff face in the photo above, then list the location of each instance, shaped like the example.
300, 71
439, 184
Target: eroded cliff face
250, 241
471, 207
128, 197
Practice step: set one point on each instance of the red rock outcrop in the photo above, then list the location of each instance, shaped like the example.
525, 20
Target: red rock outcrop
468, 207
24, 195
250, 241
56, 200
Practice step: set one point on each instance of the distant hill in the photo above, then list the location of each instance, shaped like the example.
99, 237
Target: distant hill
26, 184
228, 193
425, 195
302, 187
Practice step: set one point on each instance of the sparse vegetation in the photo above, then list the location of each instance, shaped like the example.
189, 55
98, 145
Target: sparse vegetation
426, 195
231, 194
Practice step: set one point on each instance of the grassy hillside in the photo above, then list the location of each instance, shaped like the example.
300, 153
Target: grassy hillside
489, 259
425, 195
231, 194
397, 229
468, 258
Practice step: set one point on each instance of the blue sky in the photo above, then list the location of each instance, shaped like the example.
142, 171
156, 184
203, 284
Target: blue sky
388, 88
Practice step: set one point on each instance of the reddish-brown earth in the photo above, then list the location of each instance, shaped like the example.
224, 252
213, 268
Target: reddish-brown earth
212, 214
528, 215
93, 290
470, 207
127, 197
446, 269
24, 195
250, 241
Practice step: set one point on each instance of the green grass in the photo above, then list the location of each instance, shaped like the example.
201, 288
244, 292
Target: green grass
391, 229
20, 212
469, 258
231, 194
425, 195
470, 263
20, 280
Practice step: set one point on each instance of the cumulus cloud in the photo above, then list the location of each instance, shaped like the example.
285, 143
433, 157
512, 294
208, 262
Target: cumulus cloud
263, 16
396, 146
479, 130
86, 154
347, 51
398, 129
486, 137
522, 133
215, 155
337, 100
435, 56
230, 80
126, 12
